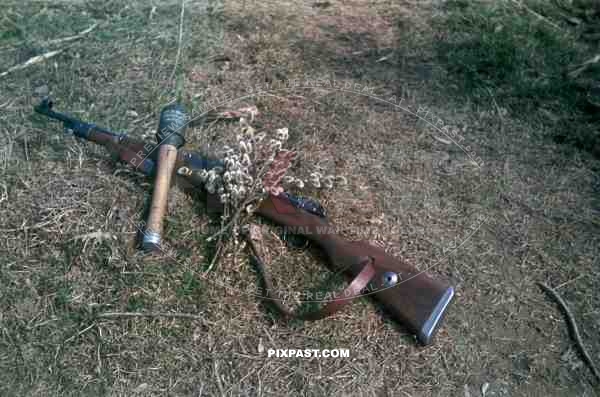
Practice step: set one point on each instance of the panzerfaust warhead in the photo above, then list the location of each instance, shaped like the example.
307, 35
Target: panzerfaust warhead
412, 298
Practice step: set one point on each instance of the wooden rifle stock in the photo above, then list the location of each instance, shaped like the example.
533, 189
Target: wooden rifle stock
417, 300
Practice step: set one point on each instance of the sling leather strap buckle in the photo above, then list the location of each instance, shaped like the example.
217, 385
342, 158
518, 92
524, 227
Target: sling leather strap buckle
254, 238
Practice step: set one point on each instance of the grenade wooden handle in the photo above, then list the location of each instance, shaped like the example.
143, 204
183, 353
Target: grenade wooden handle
167, 155
173, 120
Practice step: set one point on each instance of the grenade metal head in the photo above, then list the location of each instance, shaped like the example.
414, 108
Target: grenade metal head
171, 127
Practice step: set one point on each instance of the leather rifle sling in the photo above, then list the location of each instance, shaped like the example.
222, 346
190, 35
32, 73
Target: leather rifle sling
353, 290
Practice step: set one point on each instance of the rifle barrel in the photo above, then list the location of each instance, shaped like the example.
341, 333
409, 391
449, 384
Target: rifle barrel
143, 155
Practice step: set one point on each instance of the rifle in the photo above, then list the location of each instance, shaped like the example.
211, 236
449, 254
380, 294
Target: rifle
410, 297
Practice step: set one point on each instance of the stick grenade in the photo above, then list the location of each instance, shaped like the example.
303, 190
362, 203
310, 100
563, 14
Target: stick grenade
171, 127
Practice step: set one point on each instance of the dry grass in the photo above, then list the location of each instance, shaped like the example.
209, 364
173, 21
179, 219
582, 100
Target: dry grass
419, 195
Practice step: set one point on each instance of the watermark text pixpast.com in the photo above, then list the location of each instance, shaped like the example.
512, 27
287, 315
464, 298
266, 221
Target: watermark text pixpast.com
308, 353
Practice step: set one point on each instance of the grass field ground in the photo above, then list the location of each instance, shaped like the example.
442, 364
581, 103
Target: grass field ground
486, 168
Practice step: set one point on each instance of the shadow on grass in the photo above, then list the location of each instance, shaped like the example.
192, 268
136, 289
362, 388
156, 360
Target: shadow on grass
524, 63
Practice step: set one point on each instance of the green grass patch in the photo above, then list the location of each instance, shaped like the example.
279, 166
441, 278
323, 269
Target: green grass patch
521, 58
136, 303
190, 285
498, 52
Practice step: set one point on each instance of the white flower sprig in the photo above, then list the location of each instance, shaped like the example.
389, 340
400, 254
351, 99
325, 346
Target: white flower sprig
316, 180
252, 168
242, 162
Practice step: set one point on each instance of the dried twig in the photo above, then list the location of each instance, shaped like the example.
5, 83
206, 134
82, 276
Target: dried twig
498, 110
584, 66
251, 111
520, 4
49, 54
32, 61
151, 314
572, 328
179, 40
218, 377
232, 221
99, 235
83, 331
7, 103
569, 282
76, 37
4, 195
217, 254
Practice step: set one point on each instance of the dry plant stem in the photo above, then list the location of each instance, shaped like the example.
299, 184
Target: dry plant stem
233, 219
573, 328
497, 109
224, 227
83, 331
77, 36
219, 246
32, 61
216, 256
150, 314
179, 40
218, 378
239, 210
222, 231
584, 66
520, 4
